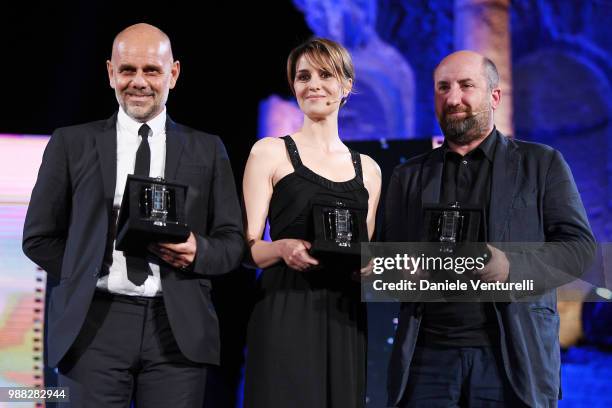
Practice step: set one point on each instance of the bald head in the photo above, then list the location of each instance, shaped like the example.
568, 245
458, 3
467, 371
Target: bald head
142, 70
142, 33
472, 59
461, 57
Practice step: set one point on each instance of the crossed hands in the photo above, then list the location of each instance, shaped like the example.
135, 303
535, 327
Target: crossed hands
295, 254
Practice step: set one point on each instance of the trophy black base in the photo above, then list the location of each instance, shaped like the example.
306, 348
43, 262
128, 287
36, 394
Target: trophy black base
152, 210
329, 254
338, 228
467, 226
459, 230
138, 234
334, 260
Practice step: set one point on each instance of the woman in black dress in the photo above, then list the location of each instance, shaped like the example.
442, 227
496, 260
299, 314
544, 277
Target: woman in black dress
307, 333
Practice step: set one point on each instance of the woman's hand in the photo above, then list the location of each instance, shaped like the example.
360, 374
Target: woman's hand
364, 273
295, 254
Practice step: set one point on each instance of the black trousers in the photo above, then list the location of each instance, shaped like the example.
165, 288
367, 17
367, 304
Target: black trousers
471, 377
126, 352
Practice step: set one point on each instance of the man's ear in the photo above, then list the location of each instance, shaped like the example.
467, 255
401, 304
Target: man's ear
111, 73
174, 73
496, 96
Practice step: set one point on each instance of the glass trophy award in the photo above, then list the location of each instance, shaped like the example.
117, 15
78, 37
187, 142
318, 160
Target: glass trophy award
152, 210
156, 203
450, 226
338, 228
459, 229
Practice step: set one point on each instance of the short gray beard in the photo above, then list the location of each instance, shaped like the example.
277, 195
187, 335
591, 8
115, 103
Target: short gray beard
141, 117
465, 131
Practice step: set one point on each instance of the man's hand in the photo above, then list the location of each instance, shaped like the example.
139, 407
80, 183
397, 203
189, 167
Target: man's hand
498, 268
179, 255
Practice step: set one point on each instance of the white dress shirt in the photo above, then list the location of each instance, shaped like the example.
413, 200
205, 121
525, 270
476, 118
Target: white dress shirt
128, 140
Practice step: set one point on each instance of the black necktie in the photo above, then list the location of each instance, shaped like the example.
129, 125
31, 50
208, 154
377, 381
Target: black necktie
143, 155
137, 266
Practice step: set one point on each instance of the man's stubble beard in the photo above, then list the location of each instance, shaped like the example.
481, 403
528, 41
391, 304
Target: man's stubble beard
466, 130
138, 113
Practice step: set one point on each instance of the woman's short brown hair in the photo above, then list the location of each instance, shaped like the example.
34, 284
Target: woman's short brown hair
326, 54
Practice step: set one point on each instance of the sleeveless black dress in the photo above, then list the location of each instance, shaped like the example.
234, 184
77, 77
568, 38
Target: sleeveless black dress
306, 344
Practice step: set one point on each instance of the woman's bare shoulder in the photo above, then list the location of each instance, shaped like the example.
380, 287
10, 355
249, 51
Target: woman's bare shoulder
268, 147
370, 167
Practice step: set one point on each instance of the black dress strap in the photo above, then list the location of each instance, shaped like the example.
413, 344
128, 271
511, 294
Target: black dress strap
292, 151
356, 159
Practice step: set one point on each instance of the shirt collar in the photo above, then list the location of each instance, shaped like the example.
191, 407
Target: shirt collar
487, 146
126, 123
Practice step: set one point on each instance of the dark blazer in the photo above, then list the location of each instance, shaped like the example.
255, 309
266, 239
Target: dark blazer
68, 220
533, 199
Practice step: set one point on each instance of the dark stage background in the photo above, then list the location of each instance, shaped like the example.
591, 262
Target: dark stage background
232, 56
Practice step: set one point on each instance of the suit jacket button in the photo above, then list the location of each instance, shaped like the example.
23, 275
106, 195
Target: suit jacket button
96, 272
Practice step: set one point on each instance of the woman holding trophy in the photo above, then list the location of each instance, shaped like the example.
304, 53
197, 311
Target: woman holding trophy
307, 333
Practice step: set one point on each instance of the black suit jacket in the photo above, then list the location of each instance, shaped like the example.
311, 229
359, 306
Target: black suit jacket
533, 199
68, 220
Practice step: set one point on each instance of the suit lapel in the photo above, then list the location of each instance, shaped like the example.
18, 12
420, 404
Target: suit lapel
431, 177
503, 186
175, 141
106, 144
